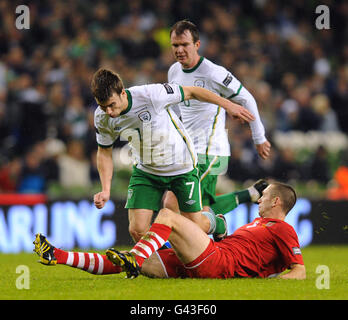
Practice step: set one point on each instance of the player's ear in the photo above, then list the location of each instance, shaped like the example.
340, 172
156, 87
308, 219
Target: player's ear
276, 201
198, 44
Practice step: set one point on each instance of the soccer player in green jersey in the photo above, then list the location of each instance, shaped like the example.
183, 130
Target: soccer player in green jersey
165, 156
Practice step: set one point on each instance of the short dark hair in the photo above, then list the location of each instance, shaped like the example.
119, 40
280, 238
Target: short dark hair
181, 26
286, 193
105, 83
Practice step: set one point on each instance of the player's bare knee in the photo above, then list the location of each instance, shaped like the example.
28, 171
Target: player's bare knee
166, 216
136, 232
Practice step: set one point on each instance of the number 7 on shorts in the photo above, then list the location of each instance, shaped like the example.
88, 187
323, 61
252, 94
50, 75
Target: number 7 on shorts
192, 187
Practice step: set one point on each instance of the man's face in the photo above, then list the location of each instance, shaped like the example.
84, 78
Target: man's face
265, 202
115, 105
184, 49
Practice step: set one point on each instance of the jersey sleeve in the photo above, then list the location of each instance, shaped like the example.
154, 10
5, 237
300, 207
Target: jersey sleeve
174, 107
224, 82
286, 241
105, 135
164, 95
230, 87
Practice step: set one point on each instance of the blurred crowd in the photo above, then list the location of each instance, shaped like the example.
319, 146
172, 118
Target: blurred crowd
297, 74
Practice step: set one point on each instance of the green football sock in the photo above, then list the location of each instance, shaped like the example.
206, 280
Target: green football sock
243, 196
220, 226
227, 202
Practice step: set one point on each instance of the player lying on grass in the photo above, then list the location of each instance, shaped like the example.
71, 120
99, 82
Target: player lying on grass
265, 247
164, 153
96, 263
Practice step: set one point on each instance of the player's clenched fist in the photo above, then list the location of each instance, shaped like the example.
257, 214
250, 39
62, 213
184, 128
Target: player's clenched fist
264, 149
100, 199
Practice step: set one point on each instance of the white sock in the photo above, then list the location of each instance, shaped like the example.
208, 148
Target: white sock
212, 220
254, 194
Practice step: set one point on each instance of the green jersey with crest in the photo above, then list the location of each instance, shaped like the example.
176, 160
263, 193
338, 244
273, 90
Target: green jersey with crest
159, 142
205, 122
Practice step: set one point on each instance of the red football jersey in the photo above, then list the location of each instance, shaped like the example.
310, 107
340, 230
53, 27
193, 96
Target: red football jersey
263, 247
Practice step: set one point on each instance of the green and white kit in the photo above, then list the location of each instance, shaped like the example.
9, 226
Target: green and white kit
159, 142
205, 122
201, 117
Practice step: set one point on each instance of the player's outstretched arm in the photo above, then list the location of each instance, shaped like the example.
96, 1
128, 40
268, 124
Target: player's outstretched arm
234, 110
105, 169
297, 271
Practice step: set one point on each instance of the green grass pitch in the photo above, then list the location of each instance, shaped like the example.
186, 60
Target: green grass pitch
62, 283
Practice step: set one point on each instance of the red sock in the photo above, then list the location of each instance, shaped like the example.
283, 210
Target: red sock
91, 262
151, 242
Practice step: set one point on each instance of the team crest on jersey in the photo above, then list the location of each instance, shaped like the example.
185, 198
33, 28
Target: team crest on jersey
145, 116
199, 83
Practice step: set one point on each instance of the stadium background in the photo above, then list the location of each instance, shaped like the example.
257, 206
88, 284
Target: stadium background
297, 74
